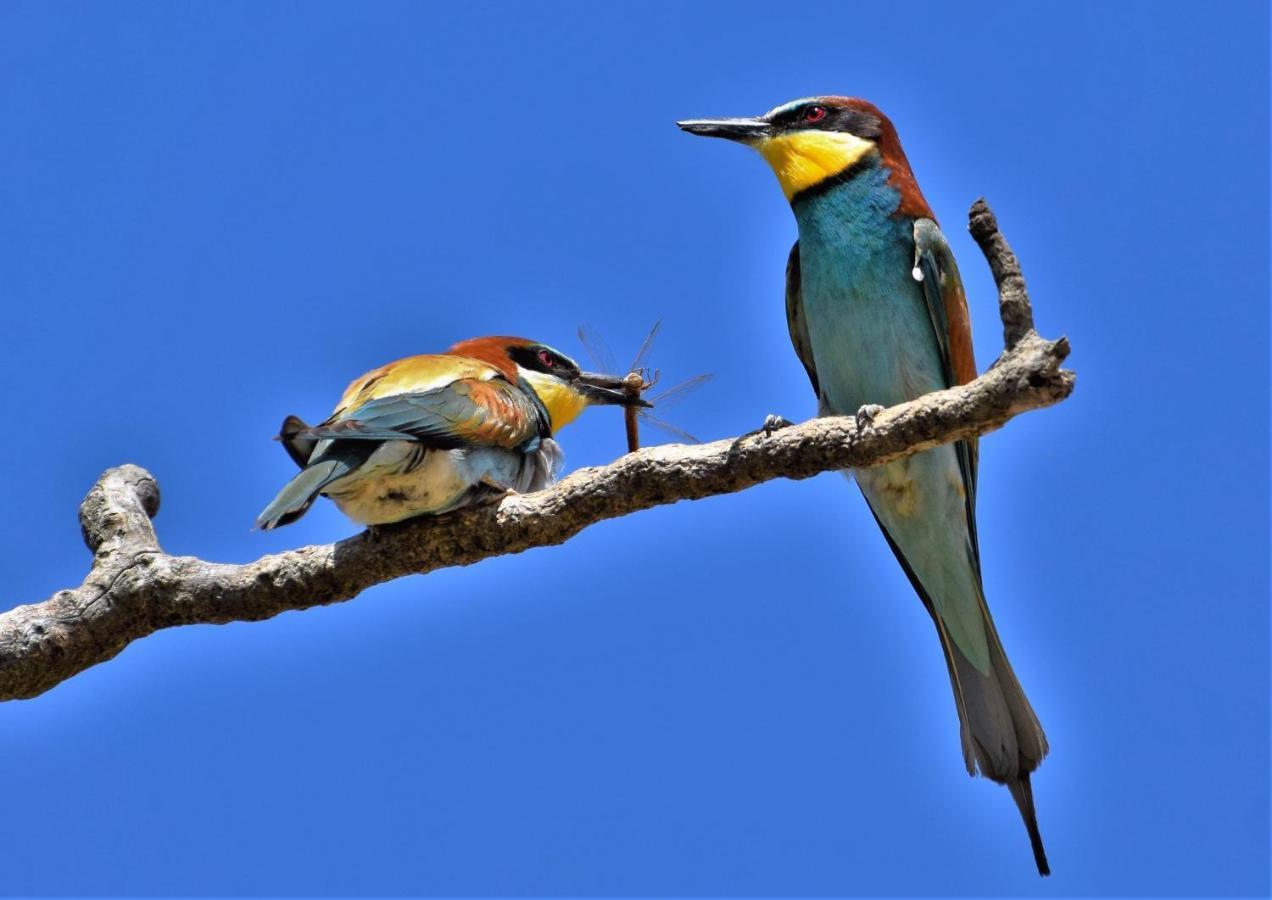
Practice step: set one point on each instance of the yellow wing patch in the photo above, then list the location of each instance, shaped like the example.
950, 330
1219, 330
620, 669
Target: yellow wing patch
415, 374
802, 159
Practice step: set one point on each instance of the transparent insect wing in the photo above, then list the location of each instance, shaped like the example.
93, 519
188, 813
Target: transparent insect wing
638, 362
598, 350
676, 393
668, 428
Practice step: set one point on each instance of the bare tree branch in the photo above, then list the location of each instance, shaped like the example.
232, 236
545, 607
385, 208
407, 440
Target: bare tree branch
134, 589
1013, 297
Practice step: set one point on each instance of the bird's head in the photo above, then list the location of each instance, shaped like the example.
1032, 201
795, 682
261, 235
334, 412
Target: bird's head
814, 142
562, 388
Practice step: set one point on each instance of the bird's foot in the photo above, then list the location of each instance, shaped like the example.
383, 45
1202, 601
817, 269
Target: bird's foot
497, 496
866, 415
492, 491
772, 423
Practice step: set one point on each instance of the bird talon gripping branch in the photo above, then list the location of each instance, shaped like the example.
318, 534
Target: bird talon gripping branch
866, 415
772, 423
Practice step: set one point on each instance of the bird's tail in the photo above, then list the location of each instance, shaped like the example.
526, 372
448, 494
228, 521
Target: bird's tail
1001, 735
299, 494
1000, 731
294, 435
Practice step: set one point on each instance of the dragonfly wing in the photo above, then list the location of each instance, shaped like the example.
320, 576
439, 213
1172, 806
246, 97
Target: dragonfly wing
676, 393
638, 362
668, 428
598, 350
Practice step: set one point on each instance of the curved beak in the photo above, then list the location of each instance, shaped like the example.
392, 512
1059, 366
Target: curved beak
743, 130
606, 389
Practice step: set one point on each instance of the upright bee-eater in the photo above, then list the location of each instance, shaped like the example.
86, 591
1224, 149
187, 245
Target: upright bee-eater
429, 434
877, 315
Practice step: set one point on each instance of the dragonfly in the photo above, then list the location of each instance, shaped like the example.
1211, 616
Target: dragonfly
640, 379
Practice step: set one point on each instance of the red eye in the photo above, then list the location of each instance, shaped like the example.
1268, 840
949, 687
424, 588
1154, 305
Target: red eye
814, 114
546, 358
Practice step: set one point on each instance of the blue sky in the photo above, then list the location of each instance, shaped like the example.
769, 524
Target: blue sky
213, 215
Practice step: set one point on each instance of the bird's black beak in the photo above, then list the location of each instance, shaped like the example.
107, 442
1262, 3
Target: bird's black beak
607, 389
743, 130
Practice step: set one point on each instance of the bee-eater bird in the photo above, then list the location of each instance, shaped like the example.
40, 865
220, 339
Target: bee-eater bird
877, 315
429, 434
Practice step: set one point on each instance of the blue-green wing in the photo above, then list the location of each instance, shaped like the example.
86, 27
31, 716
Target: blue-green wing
796, 321
947, 307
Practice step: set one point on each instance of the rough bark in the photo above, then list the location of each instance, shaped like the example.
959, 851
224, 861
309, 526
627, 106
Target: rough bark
134, 589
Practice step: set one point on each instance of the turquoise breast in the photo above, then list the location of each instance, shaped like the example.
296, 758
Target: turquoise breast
868, 321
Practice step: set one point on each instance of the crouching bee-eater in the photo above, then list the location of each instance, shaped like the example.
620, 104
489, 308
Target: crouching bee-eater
429, 434
877, 315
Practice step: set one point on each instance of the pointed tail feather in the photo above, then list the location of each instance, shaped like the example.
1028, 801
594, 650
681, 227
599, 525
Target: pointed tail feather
299, 494
1022, 793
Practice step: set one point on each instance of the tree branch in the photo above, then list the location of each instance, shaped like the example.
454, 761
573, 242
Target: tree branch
134, 589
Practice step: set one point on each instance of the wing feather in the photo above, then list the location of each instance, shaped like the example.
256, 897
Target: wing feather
947, 306
413, 375
463, 412
795, 320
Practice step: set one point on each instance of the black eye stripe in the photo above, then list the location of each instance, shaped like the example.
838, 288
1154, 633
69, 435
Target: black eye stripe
541, 358
836, 118
798, 117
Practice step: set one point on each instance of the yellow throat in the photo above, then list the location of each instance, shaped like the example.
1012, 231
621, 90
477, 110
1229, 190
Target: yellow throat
562, 402
802, 159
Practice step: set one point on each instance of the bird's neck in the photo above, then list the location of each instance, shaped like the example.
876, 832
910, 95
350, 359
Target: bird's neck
848, 213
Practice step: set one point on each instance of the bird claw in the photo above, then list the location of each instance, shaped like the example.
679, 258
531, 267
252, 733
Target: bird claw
494, 492
774, 423
866, 415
